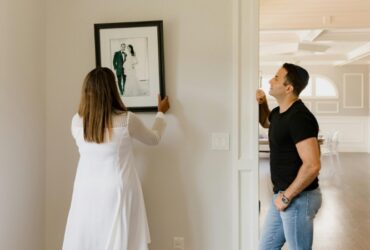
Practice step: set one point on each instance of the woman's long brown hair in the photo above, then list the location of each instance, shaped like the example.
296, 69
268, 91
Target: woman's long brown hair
100, 100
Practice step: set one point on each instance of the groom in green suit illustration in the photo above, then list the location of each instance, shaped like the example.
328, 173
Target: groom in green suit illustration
118, 61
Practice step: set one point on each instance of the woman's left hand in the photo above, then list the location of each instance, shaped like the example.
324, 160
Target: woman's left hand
163, 104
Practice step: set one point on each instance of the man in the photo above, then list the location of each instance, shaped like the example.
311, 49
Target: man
118, 61
294, 162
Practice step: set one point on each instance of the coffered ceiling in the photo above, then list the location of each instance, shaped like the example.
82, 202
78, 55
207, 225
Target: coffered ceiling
335, 32
315, 46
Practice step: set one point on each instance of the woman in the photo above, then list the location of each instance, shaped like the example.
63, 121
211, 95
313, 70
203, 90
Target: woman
132, 87
107, 210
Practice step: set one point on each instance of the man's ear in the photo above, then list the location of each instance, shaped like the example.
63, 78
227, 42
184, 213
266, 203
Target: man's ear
289, 88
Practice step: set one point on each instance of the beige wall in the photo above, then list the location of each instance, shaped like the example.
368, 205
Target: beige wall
187, 186
22, 124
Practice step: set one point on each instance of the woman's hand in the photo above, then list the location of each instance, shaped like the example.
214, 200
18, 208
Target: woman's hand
260, 96
163, 104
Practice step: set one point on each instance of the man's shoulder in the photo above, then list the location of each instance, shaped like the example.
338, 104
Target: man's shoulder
274, 110
299, 107
303, 115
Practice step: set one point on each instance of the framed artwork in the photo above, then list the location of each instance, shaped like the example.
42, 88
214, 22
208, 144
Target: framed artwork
134, 52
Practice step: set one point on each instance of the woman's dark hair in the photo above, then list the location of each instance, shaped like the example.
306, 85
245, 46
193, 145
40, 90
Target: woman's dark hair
297, 77
100, 100
131, 49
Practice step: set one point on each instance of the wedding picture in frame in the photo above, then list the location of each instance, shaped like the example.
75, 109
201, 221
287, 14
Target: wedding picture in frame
134, 52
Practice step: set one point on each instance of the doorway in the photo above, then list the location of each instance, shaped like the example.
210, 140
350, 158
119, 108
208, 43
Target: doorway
335, 52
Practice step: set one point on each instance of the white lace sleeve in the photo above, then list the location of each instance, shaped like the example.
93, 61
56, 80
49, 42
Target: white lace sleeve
76, 125
139, 131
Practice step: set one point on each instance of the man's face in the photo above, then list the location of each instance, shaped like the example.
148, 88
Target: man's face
123, 47
279, 84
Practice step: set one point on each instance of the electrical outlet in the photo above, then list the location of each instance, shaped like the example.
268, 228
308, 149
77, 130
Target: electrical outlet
178, 243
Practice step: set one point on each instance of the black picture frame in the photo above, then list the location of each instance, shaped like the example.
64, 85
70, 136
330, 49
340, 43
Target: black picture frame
141, 77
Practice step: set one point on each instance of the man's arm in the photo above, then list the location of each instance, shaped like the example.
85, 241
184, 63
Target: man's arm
115, 61
309, 152
264, 113
264, 110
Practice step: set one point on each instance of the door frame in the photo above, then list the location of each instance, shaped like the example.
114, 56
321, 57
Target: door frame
245, 124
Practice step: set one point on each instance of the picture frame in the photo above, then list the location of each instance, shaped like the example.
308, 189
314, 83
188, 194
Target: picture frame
134, 52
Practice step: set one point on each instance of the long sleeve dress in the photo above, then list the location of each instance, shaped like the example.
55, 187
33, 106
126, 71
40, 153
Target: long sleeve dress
107, 210
132, 85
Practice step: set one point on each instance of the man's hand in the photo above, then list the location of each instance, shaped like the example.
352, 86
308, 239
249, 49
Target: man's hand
279, 204
163, 104
264, 110
260, 96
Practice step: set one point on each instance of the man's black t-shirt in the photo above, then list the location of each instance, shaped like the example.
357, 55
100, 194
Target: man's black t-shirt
285, 131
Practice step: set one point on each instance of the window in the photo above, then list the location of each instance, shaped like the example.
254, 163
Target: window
325, 87
307, 92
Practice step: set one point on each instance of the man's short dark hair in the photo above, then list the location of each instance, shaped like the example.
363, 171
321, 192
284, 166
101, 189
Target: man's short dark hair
297, 77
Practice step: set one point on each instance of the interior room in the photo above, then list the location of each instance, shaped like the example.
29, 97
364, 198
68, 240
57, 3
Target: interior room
194, 190
337, 58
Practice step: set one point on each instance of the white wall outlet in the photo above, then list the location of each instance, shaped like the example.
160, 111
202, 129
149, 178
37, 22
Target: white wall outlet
178, 243
220, 141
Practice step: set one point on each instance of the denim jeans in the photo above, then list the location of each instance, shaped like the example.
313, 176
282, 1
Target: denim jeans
294, 225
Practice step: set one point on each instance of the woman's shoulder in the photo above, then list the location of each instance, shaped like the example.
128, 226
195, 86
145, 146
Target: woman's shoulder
77, 120
132, 116
120, 119
76, 116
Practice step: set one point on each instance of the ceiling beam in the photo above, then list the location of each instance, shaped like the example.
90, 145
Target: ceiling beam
310, 35
356, 54
313, 47
308, 58
278, 37
282, 48
354, 35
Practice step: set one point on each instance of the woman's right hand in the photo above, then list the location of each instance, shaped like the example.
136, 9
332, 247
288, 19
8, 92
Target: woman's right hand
163, 104
260, 96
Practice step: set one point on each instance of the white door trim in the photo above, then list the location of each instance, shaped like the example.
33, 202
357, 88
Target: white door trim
245, 123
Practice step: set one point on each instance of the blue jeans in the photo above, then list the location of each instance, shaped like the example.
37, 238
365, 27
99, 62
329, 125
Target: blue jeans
294, 225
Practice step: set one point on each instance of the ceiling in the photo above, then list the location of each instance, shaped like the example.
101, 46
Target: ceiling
335, 32
315, 46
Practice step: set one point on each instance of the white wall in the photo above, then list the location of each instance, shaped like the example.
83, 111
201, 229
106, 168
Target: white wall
22, 119
353, 131
187, 187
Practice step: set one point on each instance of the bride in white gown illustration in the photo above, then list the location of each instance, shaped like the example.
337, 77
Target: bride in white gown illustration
132, 87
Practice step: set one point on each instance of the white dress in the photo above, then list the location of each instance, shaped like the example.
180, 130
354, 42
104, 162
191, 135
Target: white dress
107, 210
132, 87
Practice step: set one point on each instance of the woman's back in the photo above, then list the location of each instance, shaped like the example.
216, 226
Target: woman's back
116, 146
108, 210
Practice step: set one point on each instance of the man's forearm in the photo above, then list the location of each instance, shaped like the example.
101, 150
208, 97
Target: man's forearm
264, 112
306, 175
